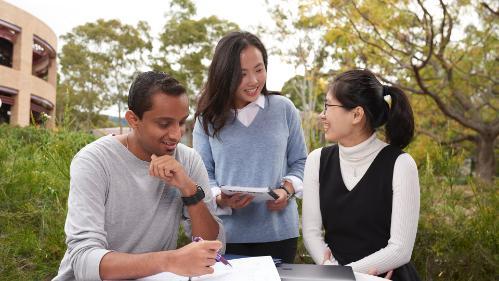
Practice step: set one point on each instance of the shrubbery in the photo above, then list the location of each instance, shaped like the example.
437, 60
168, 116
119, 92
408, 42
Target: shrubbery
458, 229
34, 183
457, 236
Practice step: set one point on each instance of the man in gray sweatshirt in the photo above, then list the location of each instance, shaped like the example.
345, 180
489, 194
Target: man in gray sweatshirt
129, 193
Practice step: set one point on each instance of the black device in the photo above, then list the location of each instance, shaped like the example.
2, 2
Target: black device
198, 196
313, 272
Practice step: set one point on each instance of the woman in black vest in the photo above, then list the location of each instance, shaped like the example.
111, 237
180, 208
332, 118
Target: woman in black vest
363, 192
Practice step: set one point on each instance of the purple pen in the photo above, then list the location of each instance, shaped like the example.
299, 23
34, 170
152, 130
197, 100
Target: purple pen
218, 258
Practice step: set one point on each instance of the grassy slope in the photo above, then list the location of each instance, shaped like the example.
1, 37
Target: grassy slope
457, 236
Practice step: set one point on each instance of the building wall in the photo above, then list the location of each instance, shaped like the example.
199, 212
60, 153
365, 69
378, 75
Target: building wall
20, 77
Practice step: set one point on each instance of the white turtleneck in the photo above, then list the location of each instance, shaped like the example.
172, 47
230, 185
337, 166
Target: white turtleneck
354, 162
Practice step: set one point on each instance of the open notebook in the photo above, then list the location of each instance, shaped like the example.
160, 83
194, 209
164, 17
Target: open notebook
245, 269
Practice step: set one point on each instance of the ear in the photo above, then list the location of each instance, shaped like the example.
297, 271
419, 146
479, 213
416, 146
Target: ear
358, 115
132, 119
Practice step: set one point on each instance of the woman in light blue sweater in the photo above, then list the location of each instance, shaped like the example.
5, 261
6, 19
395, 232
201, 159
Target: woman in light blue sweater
249, 137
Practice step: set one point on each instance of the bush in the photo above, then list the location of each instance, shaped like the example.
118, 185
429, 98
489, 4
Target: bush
458, 227
34, 183
457, 236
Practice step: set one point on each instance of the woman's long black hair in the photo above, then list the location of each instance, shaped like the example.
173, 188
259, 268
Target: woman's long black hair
359, 87
224, 77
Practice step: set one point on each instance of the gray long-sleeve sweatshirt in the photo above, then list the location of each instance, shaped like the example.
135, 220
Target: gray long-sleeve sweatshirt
114, 205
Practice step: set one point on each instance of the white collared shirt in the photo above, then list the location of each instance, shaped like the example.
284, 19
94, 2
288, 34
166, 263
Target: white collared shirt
247, 114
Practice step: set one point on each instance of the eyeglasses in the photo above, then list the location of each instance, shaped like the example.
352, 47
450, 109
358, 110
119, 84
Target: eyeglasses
326, 105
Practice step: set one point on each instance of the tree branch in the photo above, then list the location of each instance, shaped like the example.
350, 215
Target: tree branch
374, 44
429, 37
377, 31
438, 138
465, 103
398, 85
461, 119
447, 35
489, 8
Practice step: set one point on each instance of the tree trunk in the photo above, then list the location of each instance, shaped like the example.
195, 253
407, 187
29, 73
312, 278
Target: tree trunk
486, 160
119, 117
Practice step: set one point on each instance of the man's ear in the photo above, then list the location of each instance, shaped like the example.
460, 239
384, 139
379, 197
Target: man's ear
358, 115
132, 119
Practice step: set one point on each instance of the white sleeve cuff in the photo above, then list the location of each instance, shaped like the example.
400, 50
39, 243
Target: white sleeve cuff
219, 211
297, 184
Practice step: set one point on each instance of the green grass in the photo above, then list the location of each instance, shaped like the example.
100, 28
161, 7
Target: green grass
34, 182
457, 236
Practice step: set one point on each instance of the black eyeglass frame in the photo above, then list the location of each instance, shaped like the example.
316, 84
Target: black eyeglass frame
326, 105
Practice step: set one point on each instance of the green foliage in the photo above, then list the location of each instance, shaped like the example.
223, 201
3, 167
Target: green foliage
33, 195
98, 61
458, 234
187, 44
427, 49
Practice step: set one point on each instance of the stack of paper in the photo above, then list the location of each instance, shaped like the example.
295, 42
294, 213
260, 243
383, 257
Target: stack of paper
245, 269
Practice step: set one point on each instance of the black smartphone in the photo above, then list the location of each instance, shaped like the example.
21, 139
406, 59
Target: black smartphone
273, 194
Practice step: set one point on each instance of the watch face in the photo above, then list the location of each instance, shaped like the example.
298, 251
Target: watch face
200, 191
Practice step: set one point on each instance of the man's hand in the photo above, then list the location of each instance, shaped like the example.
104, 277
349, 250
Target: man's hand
170, 170
235, 201
193, 259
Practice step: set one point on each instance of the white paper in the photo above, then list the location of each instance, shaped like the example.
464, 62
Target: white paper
245, 269
259, 193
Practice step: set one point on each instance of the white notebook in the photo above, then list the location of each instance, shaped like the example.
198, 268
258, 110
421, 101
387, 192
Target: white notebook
245, 269
259, 193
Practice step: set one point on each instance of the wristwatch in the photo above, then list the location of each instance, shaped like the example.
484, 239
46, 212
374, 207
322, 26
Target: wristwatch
194, 199
290, 195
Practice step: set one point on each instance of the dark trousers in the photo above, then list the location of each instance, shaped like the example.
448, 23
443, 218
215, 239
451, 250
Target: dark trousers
284, 249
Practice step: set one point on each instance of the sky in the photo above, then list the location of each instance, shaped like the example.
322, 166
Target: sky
63, 15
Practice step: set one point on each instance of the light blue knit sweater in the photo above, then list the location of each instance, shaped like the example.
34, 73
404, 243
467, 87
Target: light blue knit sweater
260, 155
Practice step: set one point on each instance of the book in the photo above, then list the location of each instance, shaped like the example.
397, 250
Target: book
259, 193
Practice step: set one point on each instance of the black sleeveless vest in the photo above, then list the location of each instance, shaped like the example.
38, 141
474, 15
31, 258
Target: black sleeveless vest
357, 222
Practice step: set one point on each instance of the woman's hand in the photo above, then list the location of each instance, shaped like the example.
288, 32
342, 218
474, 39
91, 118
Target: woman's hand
280, 203
235, 201
327, 257
374, 271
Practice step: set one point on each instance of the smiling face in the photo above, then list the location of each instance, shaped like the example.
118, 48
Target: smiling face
161, 128
254, 76
337, 121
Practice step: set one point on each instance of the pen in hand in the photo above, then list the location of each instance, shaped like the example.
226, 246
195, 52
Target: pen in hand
218, 258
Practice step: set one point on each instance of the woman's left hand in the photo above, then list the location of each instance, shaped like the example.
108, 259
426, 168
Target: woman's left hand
373, 271
280, 203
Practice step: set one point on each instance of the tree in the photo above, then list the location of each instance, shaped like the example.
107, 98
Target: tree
187, 45
447, 52
301, 46
97, 62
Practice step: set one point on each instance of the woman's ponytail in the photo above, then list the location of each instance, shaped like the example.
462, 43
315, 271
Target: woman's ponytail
400, 124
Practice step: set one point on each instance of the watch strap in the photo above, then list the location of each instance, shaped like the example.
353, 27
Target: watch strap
194, 199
